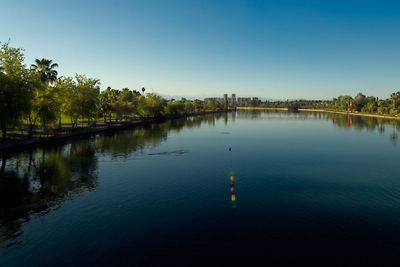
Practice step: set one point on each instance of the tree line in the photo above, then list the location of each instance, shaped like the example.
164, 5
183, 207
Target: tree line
36, 96
361, 103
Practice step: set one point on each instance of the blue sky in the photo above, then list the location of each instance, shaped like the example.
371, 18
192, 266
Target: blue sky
198, 48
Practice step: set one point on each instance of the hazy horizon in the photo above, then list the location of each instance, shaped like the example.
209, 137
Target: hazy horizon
196, 49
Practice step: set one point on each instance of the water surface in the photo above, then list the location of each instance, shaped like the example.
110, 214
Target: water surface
310, 188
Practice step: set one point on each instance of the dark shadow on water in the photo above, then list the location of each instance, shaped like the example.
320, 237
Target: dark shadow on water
35, 181
170, 153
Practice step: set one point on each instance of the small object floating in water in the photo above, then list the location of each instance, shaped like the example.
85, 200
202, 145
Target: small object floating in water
230, 149
233, 196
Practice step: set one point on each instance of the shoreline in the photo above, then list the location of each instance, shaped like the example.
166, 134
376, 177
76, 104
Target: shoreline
327, 111
24, 144
20, 145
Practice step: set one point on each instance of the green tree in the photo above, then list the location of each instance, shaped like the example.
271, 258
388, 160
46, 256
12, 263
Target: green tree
44, 107
152, 105
114, 96
189, 107
105, 103
126, 104
210, 105
174, 107
370, 107
395, 99
198, 105
47, 112
15, 90
343, 102
87, 91
360, 101
81, 98
63, 88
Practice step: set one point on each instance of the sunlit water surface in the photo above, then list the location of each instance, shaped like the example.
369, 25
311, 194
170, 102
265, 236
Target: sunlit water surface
310, 188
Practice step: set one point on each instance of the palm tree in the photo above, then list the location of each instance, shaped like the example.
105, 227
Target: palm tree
46, 69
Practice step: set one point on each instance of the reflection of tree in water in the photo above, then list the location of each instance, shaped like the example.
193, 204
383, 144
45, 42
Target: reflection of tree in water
34, 181
14, 199
393, 134
358, 123
367, 123
125, 142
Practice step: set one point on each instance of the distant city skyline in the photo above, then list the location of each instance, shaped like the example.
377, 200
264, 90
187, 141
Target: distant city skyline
232, 99
198, 49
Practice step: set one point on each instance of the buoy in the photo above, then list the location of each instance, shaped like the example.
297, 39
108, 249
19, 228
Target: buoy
230, 149
232, 184
232, 190
233, 198
232, 180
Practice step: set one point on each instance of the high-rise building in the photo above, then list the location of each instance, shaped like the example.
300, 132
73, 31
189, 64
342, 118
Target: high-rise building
232, 101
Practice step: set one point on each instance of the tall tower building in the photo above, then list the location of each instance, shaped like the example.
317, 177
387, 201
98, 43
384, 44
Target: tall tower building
233, 99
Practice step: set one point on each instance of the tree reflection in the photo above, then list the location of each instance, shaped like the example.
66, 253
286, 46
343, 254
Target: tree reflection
35, 181
349, 122
371, 124
124, 143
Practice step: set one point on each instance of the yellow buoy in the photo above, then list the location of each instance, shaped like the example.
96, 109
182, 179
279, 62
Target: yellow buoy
233, 198
232, 178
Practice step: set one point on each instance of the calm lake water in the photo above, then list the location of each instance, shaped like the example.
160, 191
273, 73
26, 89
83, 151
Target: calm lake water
310, 188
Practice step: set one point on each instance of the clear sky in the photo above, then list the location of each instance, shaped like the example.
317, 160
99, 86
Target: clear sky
198, 48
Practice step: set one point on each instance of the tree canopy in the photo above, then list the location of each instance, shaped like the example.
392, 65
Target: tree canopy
37, 97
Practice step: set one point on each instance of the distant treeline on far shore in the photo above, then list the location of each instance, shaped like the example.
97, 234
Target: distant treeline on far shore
361, 103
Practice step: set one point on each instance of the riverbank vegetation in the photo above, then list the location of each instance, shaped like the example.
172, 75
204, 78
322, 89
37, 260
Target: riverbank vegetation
361, 104
36, 99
